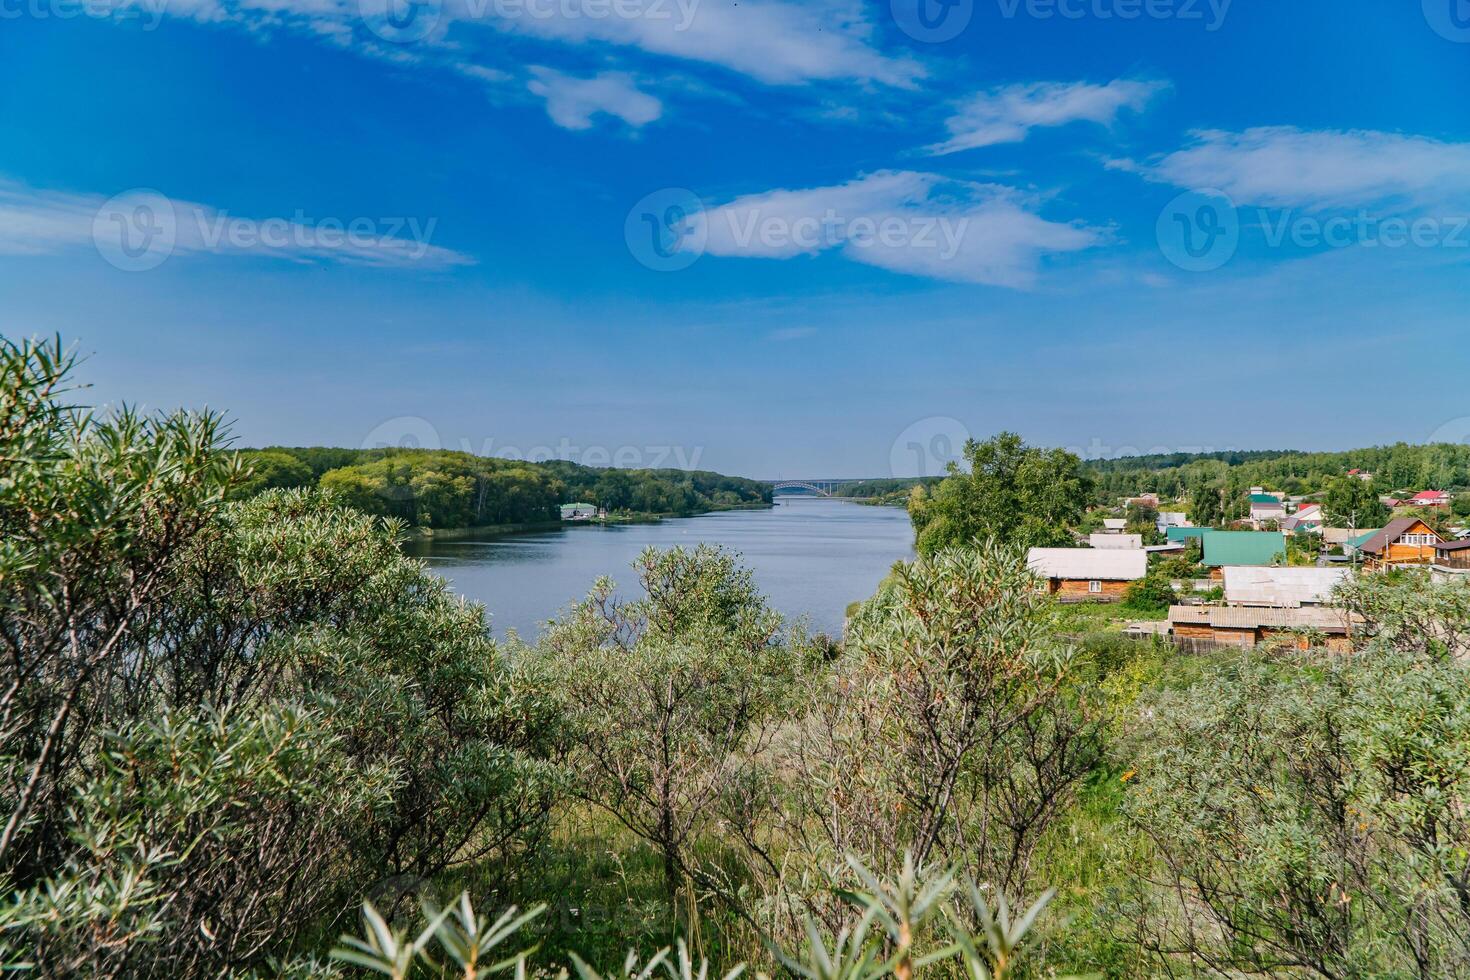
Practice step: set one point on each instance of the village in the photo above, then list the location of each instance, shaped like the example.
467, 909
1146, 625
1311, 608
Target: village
1270, 578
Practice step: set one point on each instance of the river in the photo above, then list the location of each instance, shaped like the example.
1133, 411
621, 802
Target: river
810, 556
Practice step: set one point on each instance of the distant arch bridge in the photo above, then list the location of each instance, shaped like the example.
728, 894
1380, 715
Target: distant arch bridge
820, 488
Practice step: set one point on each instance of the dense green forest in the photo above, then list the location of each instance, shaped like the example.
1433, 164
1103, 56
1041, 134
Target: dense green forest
247, 737
448, 489
1400, 467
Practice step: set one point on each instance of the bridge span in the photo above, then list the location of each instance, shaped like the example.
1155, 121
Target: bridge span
817, 487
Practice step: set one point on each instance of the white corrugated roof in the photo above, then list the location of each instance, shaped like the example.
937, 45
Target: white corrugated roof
1248, 585
1115, 540
1114, 564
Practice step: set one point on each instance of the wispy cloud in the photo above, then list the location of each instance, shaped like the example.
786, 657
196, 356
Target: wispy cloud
1007, 115
1281, 166
571, 102
912, 223
34, 222
774, 42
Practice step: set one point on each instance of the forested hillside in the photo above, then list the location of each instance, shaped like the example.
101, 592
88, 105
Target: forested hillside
1441, 466
448, 489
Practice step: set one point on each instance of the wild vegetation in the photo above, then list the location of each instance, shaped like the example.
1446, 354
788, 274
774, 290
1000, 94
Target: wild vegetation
248, 738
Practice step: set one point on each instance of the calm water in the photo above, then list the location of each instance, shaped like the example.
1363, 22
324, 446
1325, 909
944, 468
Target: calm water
810, 556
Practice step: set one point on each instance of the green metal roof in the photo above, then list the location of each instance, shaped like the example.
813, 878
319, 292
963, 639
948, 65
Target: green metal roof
1360, 540
1184, 533
1243, 547
1265, 498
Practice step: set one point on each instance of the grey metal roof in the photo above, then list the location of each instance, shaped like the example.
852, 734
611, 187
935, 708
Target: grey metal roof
1286, 587
1320, 618
1113, 564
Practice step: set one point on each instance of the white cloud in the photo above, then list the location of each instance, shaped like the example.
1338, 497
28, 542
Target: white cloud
1281, 166
36, 222
913, 223
1007, 115
572, 102
777, 42
774, 41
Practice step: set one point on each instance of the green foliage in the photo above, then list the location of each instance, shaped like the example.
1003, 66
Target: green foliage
272, 469
1151, 595
449, 489
1012, 493
950, 728
1310, 814
895, 928
1353, 503
1438, 466
668, 701
220, 720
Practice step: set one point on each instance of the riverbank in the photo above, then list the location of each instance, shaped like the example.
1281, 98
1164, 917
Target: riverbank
482, 531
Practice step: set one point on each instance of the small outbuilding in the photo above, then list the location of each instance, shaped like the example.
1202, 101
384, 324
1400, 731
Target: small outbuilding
1248, 627
1115, 540
1088, 574
1282, 588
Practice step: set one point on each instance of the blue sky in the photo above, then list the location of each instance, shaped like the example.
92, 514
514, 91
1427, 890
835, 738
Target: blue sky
765, 237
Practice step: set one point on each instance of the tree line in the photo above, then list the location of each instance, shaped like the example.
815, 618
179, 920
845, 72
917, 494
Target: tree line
450, 489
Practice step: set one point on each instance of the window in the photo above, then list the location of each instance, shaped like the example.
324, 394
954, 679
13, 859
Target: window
1418, 540
1094, 586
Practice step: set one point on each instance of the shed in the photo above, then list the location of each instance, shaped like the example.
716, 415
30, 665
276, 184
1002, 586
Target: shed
1088, 574
1246, 627
1286, 588
1115, 540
